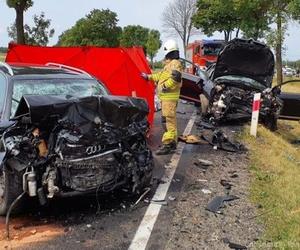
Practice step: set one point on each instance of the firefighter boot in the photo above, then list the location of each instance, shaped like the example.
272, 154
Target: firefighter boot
166, 149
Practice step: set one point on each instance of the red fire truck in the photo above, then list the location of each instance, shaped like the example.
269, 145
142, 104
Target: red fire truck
203, 52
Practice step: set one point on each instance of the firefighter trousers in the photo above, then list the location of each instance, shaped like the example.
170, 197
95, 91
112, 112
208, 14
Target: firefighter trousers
168, 109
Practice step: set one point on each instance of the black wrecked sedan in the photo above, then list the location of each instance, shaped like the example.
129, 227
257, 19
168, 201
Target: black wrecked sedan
226, 89
63, 135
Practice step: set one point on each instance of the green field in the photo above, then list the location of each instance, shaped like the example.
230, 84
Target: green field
275, 186
2, 57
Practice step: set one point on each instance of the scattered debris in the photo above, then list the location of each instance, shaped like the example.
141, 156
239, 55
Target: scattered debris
172, 198
167, 166
88, 225
217, 203
206, 191
34, 231
226, 184
201, 180
159, 202
205, 125
190, 139
147, 190
219, 140
233, 245
205, 162
164, 180
234, 175
181, 112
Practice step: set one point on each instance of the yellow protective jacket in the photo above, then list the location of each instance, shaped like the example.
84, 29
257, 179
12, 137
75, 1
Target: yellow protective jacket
167, 87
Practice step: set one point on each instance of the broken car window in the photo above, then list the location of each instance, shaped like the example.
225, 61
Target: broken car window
71, 87
212, 49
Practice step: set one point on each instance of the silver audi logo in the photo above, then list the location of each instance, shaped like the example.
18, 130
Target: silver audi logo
94, 149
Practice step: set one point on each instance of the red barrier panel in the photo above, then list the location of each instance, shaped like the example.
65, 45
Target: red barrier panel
118, 68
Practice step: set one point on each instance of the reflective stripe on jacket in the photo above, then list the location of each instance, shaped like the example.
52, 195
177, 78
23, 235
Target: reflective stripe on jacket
167, 88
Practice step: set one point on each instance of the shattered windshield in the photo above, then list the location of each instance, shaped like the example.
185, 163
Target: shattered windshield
212, 49
71, 87
2, 93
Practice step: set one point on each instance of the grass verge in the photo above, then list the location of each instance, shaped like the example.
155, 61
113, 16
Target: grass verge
275, 184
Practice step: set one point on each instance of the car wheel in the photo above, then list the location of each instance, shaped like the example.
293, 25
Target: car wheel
10, 189
271, 123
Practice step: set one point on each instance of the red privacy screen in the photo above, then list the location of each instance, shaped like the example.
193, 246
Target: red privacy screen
117, 68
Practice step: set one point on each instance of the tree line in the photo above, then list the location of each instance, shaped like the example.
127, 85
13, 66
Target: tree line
97, 28
257, 19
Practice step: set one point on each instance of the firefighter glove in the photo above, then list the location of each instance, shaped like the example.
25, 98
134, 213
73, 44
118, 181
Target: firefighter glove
145, 76
176, 75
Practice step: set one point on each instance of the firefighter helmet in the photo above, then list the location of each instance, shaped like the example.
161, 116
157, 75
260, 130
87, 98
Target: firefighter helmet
170, 45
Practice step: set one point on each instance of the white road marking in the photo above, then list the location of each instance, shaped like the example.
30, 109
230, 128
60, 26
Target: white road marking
143, 233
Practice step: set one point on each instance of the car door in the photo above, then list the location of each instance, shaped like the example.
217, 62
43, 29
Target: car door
191, 88
290, 95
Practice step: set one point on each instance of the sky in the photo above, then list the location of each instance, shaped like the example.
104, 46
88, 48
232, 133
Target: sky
148, 13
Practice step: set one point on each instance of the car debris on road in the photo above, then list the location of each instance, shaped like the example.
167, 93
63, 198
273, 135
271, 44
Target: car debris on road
219, 140
217, 203
190, 139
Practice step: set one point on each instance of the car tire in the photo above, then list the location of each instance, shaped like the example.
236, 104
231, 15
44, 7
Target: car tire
11, 188
271, 123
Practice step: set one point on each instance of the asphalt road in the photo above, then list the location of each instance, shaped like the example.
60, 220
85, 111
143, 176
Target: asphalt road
110, 222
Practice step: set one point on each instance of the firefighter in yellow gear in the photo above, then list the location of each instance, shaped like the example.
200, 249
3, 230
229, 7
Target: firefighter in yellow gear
168, 83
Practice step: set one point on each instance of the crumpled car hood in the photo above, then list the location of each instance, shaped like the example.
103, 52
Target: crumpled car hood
115, 110
246, 58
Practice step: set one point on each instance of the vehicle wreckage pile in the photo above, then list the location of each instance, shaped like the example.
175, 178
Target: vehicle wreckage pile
60, 146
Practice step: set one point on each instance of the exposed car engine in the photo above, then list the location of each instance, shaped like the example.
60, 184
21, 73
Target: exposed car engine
235, 103
64, 147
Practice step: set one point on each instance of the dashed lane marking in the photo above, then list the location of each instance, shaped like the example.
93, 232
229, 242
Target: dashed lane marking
144, 231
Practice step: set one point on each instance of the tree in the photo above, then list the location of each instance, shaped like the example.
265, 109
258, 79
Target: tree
217, 15
98, 28
177, 20
282, 12
39, 34
134, 35
254, 17
153, 44
20, 6
249, 16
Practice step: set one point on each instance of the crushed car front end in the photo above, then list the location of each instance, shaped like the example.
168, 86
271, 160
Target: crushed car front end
66, 146
243, 68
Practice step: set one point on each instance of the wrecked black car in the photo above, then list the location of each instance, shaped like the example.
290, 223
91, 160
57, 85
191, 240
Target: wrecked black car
66, 136
225, 90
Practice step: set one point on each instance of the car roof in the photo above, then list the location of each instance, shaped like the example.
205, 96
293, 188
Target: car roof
22, 69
